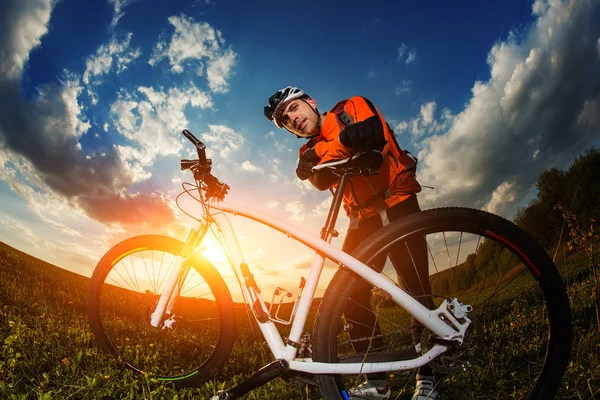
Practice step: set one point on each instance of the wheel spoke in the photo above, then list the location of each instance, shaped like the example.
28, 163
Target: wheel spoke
456, 262
504, 349
188, 337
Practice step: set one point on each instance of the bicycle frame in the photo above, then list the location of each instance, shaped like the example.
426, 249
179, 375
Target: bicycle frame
323, 249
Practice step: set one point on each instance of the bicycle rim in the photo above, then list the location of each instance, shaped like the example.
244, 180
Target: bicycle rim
519, 339
126, 288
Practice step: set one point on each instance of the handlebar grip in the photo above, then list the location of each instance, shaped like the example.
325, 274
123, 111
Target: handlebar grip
191, 137
187, 164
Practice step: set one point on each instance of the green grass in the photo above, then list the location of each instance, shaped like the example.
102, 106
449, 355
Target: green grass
48, 351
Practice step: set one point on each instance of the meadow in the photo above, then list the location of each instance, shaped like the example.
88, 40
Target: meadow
49, 352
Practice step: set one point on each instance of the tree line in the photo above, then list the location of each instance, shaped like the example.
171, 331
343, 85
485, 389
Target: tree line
575, 189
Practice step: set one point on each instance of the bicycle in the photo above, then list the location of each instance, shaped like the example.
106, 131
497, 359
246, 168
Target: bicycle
165, 310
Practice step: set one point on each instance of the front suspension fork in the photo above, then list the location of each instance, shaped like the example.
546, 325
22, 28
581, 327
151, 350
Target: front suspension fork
177, 276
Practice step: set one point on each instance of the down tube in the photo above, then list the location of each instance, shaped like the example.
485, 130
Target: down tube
236, 259
416, 309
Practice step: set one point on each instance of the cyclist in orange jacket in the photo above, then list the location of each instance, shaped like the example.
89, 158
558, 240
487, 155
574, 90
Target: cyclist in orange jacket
370, 202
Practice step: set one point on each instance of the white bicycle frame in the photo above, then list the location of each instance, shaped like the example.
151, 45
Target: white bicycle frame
442, 322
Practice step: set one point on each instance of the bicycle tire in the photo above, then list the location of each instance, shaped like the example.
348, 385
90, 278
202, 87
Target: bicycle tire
120, 302
532, 261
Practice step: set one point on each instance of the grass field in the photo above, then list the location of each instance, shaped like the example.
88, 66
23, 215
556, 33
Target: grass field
49, 352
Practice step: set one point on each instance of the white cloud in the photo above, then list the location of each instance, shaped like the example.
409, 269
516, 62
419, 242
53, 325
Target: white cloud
150, 119
219, 69
427, 111
45, 129
39, 246
22, 25
539, 7
411, 57
425, 123
118, 7
249, 167
411, 54
50, 208
272, 204
322, 209
280, 140
372, 74
505, 193
115, 55
296, 208
539, 108
404, 88
401, 51
221, 140
70, 91
137, 161
197, 44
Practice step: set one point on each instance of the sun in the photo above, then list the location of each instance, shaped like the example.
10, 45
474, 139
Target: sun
216, 255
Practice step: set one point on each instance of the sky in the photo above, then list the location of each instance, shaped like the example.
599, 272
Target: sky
94, 95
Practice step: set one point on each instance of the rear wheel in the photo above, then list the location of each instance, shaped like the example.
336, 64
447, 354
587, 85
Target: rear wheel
196, 338
519, 342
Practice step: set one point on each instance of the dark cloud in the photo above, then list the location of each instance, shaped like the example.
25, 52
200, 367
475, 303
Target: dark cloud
128, 209
22, 23
540, 108
46, 130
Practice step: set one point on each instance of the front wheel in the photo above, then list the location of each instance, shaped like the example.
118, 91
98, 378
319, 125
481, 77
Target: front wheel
193, 342
519, 341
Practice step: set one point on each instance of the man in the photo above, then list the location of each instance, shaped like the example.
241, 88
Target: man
371, 202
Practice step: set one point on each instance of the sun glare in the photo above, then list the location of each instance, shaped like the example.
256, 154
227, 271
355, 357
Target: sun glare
216, 255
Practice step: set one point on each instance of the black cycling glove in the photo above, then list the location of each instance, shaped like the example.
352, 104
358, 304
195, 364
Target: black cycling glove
364, 135
308, 159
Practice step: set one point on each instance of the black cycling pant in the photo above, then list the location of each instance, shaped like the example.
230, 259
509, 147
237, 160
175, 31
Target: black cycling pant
410, 261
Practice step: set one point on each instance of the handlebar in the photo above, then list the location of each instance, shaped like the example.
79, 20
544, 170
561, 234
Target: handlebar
187, 164
200, 147
201, 169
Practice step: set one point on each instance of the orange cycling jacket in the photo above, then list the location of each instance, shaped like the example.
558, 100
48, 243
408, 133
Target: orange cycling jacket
396, 180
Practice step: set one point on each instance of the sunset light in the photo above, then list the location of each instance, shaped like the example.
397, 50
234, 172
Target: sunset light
391, 200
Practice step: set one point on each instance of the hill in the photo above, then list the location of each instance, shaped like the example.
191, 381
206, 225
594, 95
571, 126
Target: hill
48, 351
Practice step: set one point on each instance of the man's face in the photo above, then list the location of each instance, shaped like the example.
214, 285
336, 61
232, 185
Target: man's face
298, 117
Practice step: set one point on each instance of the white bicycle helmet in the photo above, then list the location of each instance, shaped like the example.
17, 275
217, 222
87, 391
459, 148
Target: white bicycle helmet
278, 101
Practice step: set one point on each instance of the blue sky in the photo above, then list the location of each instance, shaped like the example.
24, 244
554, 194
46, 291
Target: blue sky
94, 95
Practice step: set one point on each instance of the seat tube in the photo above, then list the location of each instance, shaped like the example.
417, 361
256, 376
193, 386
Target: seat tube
327, 233
329, 229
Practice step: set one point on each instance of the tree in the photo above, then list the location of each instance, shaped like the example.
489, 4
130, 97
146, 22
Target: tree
583, 178
578, 187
